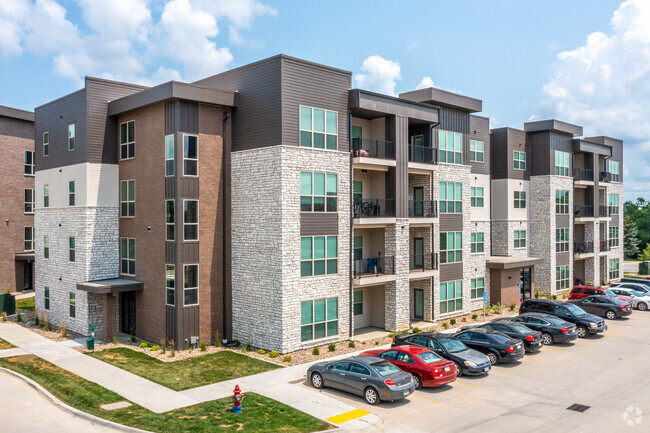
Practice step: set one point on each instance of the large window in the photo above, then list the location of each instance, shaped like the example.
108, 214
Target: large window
561, 163
613, 204
46, 247
520, 199
29, 162
318, 128
46, 143
561, 201
73, 303
451, 197
169, 220
46, 195
562, 277
451, 296
190, 220
614, 271
614, 171
71, 136
357, 302
477, 242
357, 191
358, 247
29, 200
476, 198
477, 288
318, 192
71, 193
169, 155
519, 160
72, 249
190, 155
127, 198
476, 149
319, 319
127, 140
561, 240
191, 284
451, 247
127, 256
520, 238
318, 255
47, 298
613, 236
450, 147
29, 238
170, 278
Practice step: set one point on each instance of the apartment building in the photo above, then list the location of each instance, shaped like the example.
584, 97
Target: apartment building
17, 200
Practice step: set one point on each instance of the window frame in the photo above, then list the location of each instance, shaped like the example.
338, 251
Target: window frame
454, 151
326, 259
562, 240
518, 244
475, 242
186, 289
172, 159
130, 145
46, 297
475, 197
72, 138
171, 224
185, 201
519, 199
72, 249
311, 131
560, 168
615, 240
456, 252
614, 272
325, 196
46, 144
562, 277
191, 159
46, 246
72, 303
30, 205
356, 248
454, 301
475, 289
27, 165
46, 195
28, 242
457, 203
562, 201
72, 193
126, 258
614, 176
519, 163
170, 277
614, 209
356, 302
474, 152
129, 200
313, 323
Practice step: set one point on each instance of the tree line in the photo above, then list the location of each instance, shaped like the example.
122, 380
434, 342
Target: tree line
636, 229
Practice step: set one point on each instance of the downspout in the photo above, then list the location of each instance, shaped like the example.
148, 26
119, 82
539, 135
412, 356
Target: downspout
351, 227
433, 237
224, 246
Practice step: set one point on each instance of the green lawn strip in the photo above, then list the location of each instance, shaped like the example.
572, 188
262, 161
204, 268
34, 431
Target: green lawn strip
185, 373
259, 414
26, 303
5, 345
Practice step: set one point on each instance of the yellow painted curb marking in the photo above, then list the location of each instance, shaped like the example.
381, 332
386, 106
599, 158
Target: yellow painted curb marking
555, 350
613, 333
465, 384
503, 372
347, 416
532, 360
425, 398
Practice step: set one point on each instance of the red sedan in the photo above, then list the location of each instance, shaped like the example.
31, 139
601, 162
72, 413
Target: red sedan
427, 367
581, 292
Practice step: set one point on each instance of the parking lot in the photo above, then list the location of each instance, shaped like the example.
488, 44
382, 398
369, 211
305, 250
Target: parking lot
609, 373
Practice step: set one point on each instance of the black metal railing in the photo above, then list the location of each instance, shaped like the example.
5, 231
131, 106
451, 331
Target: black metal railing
603, 211
613, 243
583, 174
374, 207
422, 154
424, 262
583, 247
605, 176
423, 208
372, 148
582, 211
604, 245
374, 266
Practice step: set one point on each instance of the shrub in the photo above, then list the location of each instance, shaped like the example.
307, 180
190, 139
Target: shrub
352, 344
145, 345
4, 316
190, 350
62, 331
237, 343
565, 295
512, 306
452, 321
133, 338
47, 326
376, 343
202, 346
315, 351
416, 330
36, 321
261, 351
19, 318
331, 347
537, 294
445, 325
217, 339
274, 354
554, 297
248, 347
286, 359
548, 295
115, 340
163, 346
474, 316
464, 319
155, 348
172, 346
497, 308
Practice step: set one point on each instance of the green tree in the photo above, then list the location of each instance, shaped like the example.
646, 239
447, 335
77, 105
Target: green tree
645, 255
630, 237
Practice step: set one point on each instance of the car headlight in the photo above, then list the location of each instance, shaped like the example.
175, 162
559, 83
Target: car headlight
592, 325
470, 364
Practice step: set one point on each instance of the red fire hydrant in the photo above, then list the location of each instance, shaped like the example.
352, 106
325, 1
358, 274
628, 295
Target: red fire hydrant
237, 397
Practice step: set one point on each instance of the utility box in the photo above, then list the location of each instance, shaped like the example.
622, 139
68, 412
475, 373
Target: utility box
7, 304
644, 268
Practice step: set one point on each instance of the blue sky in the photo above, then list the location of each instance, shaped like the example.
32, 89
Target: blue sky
582, 61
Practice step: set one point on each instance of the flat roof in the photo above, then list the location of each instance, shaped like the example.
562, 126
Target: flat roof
16, 113
553, 125
26, 257
580, 145
371, 105
114, 285
443, 97
509, 262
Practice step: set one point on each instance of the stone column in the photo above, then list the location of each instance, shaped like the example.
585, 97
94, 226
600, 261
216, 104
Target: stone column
397, 292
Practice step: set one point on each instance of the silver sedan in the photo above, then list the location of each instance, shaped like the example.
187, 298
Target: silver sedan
640, 300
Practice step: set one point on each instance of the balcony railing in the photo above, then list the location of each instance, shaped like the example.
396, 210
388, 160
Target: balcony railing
583, 211
424, 262
371, 148
613, 243
374, 208
604, 245
583, 174
583, 247
605, 176
603, 211
423, 208
422, 154
374, 266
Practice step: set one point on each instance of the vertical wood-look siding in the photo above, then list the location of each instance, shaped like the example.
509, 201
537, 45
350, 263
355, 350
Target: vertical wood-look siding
171, 321
499, 153
451, 222
451, 272
188, 117
401, 169
539, 151
319, 223
479, 129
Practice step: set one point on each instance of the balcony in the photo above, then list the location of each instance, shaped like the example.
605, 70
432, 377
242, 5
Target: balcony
583, 211
604, 245
583, 247
373, 267
603, 211
423, 262
583, 174
422, 154
374, 208
423, 208
605, 176
372, 148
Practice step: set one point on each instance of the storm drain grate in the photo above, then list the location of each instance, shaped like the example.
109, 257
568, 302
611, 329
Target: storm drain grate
578, 407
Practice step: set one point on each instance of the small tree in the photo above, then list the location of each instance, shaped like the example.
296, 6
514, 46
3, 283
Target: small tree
630, 237
645, 255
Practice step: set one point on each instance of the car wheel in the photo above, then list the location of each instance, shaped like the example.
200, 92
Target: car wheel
494, 359
547, 339
642, 306
417, 381
459, 370
371, 396
610, 315
582, 332
317, 380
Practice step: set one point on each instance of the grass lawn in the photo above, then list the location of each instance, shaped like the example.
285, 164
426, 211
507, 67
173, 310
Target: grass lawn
26, 303
259, 414
186, 373
5, 345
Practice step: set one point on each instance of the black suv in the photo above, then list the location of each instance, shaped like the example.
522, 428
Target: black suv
497, 346
587, 323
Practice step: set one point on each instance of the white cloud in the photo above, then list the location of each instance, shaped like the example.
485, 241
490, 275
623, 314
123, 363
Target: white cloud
425, 83
240, 12
380, 75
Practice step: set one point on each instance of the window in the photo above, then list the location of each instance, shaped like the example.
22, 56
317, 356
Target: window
71, 136
451, 197
476, 197
127, 140
519, 160
520, 238
318, 192
127, 256
46, 143
451, 296
359, 369
357, 191
520, 199
127, 198
357, 302
417, 140
477, 242
169, 155
614, 269
190, 220
451, 247
561, 240
73, 302
46, 195
318, 128
319, 319
169, 220
561, 202
613, 236
29, 162
46, 247
191, 284
614, 171
190, 155
477, 287
29, 201
170, 278
358, 247
72, 250
29, 238
318, 255
561, 277
450, 147
46, 297
476, 151
613, 204
71, 194
561, 163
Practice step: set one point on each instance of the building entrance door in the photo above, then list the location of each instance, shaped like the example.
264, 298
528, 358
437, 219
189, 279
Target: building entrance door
127, 312
418, 307
525, 284
418, 201
28, 280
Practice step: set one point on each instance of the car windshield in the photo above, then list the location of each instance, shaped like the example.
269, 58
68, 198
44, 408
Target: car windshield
610, 293
577, 311
520, 328
429, 357
453, 346
636, 294
385, 368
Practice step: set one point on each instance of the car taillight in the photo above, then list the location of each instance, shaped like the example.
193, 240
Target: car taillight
393, 340
623, 307
511, 349
566, 331
389, 382
530, 338
436, 372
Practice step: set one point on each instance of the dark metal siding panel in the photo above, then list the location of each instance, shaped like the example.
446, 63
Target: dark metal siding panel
452, 119
170, 117
188, 116
451, 222
401, 169
561, 142
451, 272
562, 259
170, 252
479, 129
189, 188
171, 323
538, 149
562, 221
517, 143
319, 223
257, 120
188, 325
617, 155
188, 251
314, 86
498, 153
55, 118
170, 187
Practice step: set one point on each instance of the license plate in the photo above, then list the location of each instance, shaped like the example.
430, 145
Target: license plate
446, 368
486, 369
406, 392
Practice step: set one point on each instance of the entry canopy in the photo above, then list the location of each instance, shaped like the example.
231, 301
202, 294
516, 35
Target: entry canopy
24, 256
115, 285
508, 262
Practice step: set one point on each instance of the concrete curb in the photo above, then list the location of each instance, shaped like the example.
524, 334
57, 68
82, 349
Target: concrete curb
71, 409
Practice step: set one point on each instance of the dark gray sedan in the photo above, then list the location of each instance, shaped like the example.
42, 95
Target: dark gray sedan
373, 378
